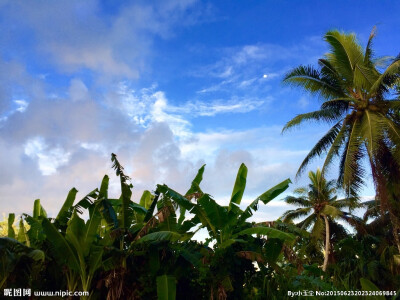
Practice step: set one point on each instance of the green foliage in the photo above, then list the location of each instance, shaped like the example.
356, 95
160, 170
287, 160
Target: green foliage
65, 211
145, 249
356, 99
369, 286
18, 262
11, 232
240, 185
166, 287
124, 248
357, 92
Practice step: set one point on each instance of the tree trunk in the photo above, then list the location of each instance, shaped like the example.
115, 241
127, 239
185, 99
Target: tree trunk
382, 195
327, 243
395, 229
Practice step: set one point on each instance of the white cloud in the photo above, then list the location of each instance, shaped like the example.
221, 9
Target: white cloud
77, 35
70, 142
211, 108
97, 147
214, 108
22, 105
148, 106
49, 159
15, 86
178, 125
68, 133
248, 82
78, 90
241, 69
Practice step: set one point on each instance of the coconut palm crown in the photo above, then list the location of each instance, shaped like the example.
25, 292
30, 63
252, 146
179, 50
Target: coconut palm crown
356, 95
361, 101
319, 205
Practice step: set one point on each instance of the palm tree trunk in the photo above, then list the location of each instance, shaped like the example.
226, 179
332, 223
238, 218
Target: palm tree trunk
395, 229
327, 243
382, 195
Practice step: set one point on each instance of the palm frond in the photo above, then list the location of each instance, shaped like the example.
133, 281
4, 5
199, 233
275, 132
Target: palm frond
354, 222
383, 62
300, 191
345, 53
371, 129
368, 54
328, 71
291, 215
392, 70
364, 77
331, 211
340, 104
387, 150
351, 170
394, 105
307, 222
393, 131
311, 80
351, 203
318, 229
298, 201
326, 115
336, 145
372, 212
321, 146
337, 231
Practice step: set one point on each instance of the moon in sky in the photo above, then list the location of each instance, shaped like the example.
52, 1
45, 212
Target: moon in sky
265, 76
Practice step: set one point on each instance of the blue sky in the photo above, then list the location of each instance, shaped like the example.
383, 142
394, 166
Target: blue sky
167, 86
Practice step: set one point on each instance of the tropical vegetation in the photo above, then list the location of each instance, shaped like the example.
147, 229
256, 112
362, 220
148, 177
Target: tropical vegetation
118, 248
359, 99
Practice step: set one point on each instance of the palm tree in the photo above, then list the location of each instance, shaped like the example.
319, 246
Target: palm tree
357, 94
319, 204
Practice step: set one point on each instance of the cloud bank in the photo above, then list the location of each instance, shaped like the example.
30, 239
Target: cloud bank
71, 94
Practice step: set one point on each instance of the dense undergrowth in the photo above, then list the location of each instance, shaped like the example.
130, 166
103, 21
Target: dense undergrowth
145, 249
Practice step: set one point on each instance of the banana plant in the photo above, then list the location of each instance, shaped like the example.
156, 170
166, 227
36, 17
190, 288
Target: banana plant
18, 260
161, 241
18, 253
124, 226
166, 287
78, 250
227, 226
34, 235
72, 243
11, 231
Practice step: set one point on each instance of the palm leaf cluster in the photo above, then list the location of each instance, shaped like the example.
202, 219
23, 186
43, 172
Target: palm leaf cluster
363, 258
358, 92
357, 101
319, 206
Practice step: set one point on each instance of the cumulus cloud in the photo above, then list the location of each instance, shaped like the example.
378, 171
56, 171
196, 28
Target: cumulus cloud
78, 90
59, 126
66, 141
148, 105
49, 159
15, 86
76, 35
